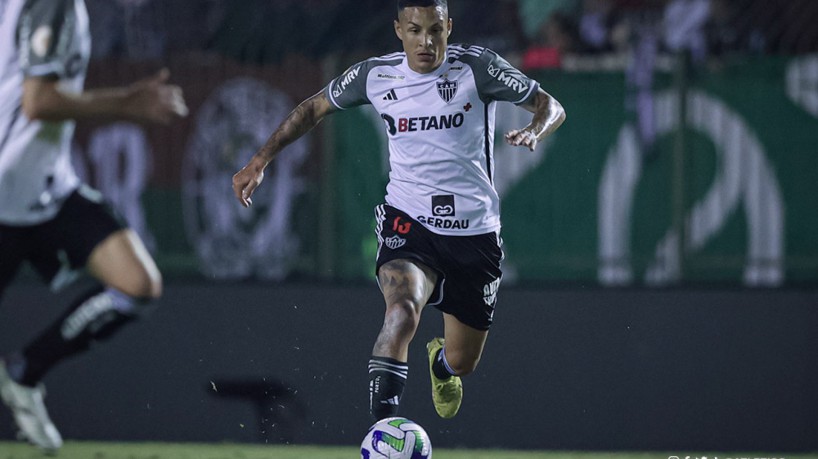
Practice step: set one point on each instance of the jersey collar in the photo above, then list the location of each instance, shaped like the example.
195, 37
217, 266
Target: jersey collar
436, 73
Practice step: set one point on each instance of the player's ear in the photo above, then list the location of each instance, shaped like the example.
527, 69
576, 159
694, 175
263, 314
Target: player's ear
398, 30
449, 27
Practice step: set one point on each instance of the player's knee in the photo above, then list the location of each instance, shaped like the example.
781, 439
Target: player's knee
143, 285
466, 368
461, 364
403, 315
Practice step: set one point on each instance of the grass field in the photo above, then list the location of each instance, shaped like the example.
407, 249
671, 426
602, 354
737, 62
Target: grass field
93, 450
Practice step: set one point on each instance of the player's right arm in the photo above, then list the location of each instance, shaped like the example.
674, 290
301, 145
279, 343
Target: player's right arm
52, 48
300, 121
345, 91
151, 100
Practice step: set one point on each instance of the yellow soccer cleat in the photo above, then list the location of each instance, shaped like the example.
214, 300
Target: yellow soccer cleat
446, 393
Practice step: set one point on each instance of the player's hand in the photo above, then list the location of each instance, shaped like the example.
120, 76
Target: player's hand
522, 137
154, 100
247, 180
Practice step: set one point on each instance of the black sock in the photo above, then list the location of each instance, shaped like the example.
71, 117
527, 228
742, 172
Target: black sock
439, 366
93, 316
387, 378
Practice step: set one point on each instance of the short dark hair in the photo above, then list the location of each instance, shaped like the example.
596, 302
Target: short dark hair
421, 3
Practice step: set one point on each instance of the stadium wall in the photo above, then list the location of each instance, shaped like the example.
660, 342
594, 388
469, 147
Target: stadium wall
671, 370
721, 195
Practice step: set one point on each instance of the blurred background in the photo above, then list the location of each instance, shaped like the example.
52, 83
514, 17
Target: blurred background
661, 248
689, 158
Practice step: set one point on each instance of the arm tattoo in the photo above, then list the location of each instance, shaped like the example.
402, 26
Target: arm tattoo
300, 121
548, 115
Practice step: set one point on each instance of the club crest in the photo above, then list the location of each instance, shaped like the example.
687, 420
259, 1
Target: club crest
394, 242
447, 89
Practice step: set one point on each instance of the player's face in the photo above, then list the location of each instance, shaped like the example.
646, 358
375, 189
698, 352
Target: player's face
425, 35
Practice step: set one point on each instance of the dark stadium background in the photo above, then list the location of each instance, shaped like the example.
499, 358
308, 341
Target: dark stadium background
661, 285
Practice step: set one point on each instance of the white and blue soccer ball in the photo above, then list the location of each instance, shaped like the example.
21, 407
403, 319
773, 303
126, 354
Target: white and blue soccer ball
396, 438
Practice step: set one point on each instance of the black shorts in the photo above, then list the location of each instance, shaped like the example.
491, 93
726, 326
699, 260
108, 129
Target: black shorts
468, 267
61, 244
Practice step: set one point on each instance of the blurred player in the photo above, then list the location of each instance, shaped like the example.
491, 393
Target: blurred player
49, 218
438, 232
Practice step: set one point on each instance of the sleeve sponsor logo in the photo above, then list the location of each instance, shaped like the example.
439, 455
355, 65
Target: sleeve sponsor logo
509, 78
347, 79
41, 40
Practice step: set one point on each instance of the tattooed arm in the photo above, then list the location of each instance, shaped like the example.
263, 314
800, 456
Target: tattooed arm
548, 116
305, 117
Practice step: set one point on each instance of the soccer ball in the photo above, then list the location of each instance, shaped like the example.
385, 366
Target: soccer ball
396, 438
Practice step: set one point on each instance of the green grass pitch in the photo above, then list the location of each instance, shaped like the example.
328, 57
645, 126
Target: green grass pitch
96, 450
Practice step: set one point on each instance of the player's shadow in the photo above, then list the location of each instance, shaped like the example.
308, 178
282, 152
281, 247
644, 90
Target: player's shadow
280, 413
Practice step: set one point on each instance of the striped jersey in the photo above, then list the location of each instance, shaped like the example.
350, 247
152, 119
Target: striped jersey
440, 127
38, 38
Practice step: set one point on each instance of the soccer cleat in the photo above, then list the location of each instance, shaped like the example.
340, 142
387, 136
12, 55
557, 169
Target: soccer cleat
446, 393
26, 403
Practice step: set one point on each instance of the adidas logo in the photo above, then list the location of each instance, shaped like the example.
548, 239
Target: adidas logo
390, 95
391, 401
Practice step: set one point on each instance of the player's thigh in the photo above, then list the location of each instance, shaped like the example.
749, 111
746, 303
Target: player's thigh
405, 265
406, 281
88, 233
121, 261
464, 344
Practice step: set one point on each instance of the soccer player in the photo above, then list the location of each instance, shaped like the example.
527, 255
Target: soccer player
438, 232
49, 218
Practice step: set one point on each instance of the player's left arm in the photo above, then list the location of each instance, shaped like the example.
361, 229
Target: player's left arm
548, 116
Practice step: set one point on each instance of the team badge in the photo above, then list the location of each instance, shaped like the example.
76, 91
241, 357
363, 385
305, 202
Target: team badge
394, 242
447, 89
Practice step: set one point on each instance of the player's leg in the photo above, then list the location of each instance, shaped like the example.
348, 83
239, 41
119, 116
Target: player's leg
129, 281
25, 403
468, 312
123, 263
88, 234
406, 286
463, 347
450, 358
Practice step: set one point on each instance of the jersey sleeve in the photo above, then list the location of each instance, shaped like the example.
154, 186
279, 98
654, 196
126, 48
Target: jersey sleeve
41, 29
498, 80
349, 89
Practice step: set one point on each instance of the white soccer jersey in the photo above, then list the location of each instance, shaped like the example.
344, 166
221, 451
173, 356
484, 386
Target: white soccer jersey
38, 38
440, 127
